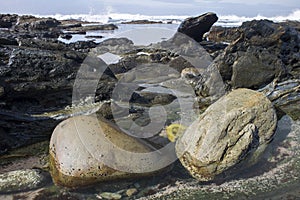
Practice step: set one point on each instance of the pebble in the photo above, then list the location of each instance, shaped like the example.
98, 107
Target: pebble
1, 91
109, 195
131, 192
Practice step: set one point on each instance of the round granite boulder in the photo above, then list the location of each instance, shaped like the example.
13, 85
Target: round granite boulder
85, 150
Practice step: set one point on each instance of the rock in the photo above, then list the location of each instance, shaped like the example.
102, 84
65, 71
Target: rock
151, 98
196, 27
36, 81
20, 180
115, 46
79, 32
66, 24
43, 44
38, 78
73, 165
179, 64
142, 22
31, 23
94, 36
109, 195
8, 20
130, 192
249, 59
82, 45
285, 96
254, 68
237, 126
222, 34
1, 91
213, 48
45, 24
107, 27
6, 41
66, 36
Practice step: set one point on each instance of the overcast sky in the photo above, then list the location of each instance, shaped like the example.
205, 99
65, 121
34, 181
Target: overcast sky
249, 8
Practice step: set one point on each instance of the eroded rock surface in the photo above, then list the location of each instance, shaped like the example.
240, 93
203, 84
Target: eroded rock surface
238, 125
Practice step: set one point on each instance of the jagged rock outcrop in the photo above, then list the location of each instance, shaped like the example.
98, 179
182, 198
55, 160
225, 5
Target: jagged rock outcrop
259, 52
195, 27
237, 126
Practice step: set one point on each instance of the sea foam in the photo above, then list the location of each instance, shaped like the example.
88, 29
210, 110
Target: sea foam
224, 20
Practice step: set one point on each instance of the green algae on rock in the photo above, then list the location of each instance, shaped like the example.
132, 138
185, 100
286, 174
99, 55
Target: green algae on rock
238, 125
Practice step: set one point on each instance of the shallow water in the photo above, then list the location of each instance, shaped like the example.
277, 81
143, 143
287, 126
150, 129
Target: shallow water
166, 31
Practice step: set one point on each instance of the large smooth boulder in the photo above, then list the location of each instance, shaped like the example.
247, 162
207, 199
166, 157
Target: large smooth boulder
85, 150
195, 27
237, 126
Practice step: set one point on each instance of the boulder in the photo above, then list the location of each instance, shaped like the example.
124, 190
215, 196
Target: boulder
254, 68
143, 21
8, 41
73, 163
93, 28
249, 61
285, 96
31, 23
8, 20
45, 24
195, 27
38, 77
237, 126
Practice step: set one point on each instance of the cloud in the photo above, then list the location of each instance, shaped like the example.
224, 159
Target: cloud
252, 2
150, 7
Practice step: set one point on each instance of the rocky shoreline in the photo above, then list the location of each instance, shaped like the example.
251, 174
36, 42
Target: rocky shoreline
38, 73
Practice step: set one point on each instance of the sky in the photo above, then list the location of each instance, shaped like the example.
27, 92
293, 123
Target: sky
248, 8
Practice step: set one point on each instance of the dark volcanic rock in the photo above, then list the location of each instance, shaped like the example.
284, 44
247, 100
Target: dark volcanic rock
31, 23
8, 41
7, 20
254, 68
66, 36
34, 81
142, 22
93, 27
196, 27
259, 52
37, 75
81, 45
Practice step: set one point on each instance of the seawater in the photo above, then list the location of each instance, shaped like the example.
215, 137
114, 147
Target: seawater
162, 31
170, 22
224, 20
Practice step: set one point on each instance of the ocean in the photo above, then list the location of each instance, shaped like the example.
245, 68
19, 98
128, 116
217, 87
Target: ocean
169, 22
